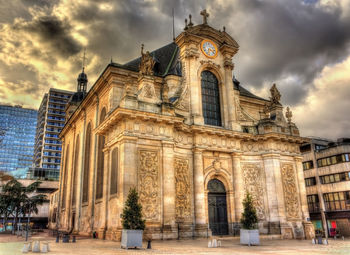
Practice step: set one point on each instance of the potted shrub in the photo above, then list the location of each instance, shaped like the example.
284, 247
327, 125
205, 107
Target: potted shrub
133, 224
249, 233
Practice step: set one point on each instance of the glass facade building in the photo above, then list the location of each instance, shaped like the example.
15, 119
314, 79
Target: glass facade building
17, 135
51, 119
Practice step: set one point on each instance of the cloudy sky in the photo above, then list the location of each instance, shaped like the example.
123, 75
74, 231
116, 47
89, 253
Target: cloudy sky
302, 45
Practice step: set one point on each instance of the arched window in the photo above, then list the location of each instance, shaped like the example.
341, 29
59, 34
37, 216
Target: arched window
100, 160
210, 99
114, 172
87, 164
76, 170
64, 175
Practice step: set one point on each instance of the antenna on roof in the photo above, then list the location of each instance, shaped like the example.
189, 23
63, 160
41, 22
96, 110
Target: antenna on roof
173, 26
84, 58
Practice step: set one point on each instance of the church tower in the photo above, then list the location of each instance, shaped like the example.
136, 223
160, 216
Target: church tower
82, 82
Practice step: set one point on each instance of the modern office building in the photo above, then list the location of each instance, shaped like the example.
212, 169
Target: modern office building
326, 166
17, 135
51, 118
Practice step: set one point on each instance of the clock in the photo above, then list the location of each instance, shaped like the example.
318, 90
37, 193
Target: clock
209, 48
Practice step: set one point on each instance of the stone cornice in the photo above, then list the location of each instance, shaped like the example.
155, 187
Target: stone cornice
123, 113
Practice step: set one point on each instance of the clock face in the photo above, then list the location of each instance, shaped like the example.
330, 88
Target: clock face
209, 49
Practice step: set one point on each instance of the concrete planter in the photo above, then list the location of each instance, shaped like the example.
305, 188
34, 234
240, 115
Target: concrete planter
131, 238
250, 236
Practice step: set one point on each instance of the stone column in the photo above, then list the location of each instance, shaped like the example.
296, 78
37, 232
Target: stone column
301, 186
238, 185
81, 176
308, 226
169, 193
128, 165
199, 203
104, 202
229, 93
274, 190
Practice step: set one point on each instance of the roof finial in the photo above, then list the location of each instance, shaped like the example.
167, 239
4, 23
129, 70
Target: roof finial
190, 24
185, 25
224, 28
84, 58
142, 48
205, 16
111, 59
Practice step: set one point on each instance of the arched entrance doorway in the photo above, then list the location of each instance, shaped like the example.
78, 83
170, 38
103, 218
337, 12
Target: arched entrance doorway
217, 207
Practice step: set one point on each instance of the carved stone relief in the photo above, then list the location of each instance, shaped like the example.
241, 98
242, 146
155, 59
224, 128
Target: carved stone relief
290, 192
183, 189
183, 102
253, 176
148, 183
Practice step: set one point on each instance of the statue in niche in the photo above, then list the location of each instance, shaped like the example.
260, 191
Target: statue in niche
147, 63
275, 95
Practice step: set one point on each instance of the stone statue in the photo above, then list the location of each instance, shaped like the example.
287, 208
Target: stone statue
289, 115
275, 95
147, 63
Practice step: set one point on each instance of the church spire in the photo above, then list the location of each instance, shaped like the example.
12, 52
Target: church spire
82, 78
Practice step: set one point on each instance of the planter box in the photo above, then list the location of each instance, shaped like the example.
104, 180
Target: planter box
131, 238
250, 237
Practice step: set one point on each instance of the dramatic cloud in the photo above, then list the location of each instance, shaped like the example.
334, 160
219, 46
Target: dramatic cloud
297, 44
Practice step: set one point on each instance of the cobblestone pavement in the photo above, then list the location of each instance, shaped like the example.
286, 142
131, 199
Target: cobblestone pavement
230, 245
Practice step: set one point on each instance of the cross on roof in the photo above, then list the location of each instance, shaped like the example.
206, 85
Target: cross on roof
205, 16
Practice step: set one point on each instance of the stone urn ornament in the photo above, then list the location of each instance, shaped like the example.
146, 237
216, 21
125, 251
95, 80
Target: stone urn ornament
133, 224
249, 233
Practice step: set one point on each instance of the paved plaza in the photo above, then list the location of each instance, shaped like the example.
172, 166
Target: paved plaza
11, 245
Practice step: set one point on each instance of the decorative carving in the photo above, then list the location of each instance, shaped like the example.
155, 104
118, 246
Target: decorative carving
148, 184
165, 93
209, 63
252, 174
290, 191
183, 189
183, 103
228, 63
289, 115
191, 52
147, 63
275, 95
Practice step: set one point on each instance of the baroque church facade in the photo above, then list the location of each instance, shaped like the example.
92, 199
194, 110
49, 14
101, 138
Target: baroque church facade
176, 125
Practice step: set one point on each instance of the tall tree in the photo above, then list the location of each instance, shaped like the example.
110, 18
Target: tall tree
16, 199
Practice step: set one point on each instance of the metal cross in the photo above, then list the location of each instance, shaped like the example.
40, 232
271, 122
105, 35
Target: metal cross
84, 58
205, 16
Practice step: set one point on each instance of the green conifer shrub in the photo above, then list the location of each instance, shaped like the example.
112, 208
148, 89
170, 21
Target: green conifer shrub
132, 212
249, 218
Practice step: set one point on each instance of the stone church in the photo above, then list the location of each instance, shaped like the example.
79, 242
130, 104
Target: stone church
177, 125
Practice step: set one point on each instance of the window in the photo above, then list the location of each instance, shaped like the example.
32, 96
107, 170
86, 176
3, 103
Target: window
308, 165
76, 170
87, 164
100, 160
313, 203
210, 99
64, 175
310, 181
333, 160
114, 173
338, 177
337, 201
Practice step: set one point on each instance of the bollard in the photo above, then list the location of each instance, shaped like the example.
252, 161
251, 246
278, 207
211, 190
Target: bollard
73, 240
149, 244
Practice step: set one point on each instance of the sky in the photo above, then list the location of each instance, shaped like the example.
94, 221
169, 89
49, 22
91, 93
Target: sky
302, 45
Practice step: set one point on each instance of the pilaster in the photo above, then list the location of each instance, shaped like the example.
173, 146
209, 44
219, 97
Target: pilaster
199, 203
238, 185
169, 193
